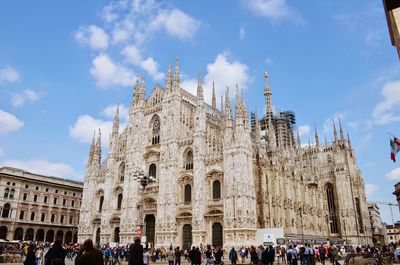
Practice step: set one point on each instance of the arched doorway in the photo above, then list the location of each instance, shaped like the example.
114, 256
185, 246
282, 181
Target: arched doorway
217, 235
19, 233
150, 222
98, 235
116, 234
50, 236
3, 232
60, 235
29, 234
75, 237
39, 235
187, 236
68, 237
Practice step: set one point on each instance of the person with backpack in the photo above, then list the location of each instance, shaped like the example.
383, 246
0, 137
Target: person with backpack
107, 254
253, 256
178, 255
208, 255
308, 254
171, 256
136, 253
88, 255
233, 256
56, 254
291, 256
122, 254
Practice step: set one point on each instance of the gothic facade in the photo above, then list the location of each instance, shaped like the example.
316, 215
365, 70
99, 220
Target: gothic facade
220, 176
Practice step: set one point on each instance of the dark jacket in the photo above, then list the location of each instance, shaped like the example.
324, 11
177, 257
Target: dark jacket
90, 257
30, 259
136, 254
56, 254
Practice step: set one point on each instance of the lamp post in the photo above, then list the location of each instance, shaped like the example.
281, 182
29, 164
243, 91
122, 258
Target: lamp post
143, 180
302, 225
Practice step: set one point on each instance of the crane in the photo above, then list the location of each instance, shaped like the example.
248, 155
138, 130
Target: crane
390, 204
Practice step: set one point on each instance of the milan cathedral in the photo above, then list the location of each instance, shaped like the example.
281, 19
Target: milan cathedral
221, 175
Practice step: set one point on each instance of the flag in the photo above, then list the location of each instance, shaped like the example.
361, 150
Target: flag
395, 146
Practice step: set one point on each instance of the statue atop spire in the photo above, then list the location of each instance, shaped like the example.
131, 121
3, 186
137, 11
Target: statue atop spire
341, 130
177, 80
268, 97
335, 138
200, 87
316, 136
213, 99
168, 80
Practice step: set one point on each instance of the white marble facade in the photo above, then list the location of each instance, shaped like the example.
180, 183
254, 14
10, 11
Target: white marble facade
221, 175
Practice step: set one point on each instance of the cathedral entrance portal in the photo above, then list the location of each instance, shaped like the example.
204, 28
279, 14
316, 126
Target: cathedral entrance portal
150, 222
217, 235
187, 236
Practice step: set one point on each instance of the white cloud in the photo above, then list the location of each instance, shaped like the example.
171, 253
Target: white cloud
242, 33
394, 174
269, 60
370, 189
176, 23
223, 72
120, 35
151, 67
132, 54
86, 125
41, 166
110, 110
9, 123
383, 112
107, 73
272, 9
1, 151
328, 123
8, 75
95, 37
22, 97
304, 130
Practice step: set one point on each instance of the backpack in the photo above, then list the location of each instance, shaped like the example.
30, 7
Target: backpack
289, 256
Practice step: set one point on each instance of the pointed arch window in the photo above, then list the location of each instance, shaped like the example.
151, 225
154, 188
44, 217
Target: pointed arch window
188, 193
359, 215
121, 172
188, 160
155, 139
101, 201
6, 192
333, 222
153, 170
119, 203
216, 190
6, 210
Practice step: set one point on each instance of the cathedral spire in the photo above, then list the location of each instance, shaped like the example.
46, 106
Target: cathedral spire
316, 136
97, 150
142, 91
116, 122
228, 110
135, 93
334, 132
213, 100
268, 97
237, 102
177, 80
326, 142
341, 130
298, 139
200, 96
222, 103
271, 136
92, 148
257, 128
348, 140
168, 80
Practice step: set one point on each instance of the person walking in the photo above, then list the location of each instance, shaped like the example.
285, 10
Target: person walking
253, 256
38, 255
233, 256
30, 257
136, 253
56, 254
170, 256
146, 257
88, 255
178, 255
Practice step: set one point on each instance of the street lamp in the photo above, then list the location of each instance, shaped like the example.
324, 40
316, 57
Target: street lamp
302, 225
143, 180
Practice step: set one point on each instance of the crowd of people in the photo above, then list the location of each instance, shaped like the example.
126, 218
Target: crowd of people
136, 254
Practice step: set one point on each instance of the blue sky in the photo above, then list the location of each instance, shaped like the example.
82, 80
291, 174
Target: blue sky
64, 65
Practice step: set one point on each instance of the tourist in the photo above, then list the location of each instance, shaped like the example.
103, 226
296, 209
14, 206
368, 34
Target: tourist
171, 256
233, 256
291, 256
107, 254
283, 255
253, 256
39, 255
178, 255
243, 255
146, 257
30, 256
218, 256
56, 254
136, 253
208, 255
88, 255
397, 251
